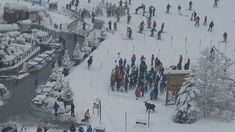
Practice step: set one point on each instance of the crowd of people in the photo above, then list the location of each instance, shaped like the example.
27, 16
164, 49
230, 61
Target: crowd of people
131, 76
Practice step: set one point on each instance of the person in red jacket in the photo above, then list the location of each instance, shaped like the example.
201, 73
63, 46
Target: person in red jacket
137, 92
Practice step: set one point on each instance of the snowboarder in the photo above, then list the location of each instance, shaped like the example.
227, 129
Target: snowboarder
128, 19
197, 21
168, 8
89, 128
190, 5
89, 62
56, 107
211, 25
162, 27
115, 26
72, 109
110, 25
205, 21
186, 66
216, 3
159, 35
225, 36
72, 128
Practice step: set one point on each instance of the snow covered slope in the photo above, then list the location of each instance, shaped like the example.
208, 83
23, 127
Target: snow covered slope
89, 84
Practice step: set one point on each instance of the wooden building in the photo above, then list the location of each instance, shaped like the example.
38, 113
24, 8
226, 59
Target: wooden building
174, 79
17, 12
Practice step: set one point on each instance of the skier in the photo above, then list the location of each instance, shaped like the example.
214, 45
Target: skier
225, 36
133, 60
56, 107
89, 62
149, 22
115, 26
179, 65
205, 21
197, 21
110, 25
84, 26
154, 24
80, 129
87, 115
211, 25
186, 66
154, 9
179, 10
126, 82
129, 33
72, 109
141, 27
72, 128
162, 27
152, 59
128, 19
190, 5
168, 8
152, 32
89, 128
159, 35
216, 3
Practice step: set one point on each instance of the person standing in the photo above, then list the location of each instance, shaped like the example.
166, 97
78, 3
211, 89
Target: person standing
168, 8
128, 19
110, 25
190, 5
211, 25
89, 128
72, 109
115, 26
56, 107
197, 21
205, 21
72, 128
89, 62
225, 36
216, 3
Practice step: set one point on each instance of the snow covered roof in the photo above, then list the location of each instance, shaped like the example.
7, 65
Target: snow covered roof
176, 72
43, 55
40, 97
15, 6
25, 22
50, 84
8, 27
49, 52
52, 1
38, 59
32, 63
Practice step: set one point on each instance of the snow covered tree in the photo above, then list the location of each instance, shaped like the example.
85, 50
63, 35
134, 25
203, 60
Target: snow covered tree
186, 103
66, 62
66, 93
60, 83
77, 54
216, 98
56, 72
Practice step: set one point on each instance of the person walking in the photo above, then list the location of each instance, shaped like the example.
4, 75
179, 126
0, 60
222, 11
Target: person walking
72, 109
225, 36
56, 107
211, 25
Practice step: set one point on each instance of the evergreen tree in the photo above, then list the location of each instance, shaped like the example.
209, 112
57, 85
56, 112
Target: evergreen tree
186, 103
216, 98
56, 71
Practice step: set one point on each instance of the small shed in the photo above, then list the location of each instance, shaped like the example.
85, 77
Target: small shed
25, 25
174, 79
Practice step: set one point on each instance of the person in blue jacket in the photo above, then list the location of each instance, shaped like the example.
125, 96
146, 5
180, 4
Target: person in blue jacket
89, 128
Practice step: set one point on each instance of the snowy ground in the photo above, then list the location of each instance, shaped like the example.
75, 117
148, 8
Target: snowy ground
88, 85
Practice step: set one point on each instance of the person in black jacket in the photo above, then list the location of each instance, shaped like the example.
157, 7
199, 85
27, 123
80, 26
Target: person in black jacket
89, 62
